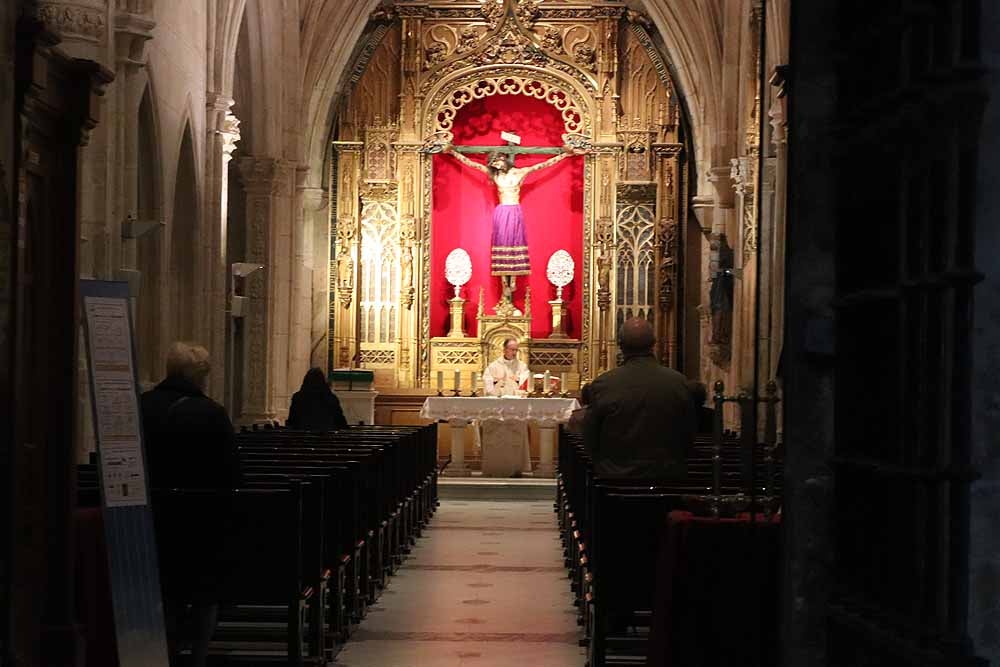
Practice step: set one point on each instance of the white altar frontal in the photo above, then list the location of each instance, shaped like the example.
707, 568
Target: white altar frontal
459, 411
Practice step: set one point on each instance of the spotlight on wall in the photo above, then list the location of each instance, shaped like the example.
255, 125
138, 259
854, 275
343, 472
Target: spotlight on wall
244, 269
238, 302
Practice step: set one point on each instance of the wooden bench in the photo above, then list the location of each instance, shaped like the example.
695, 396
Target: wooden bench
609, 530
270, 541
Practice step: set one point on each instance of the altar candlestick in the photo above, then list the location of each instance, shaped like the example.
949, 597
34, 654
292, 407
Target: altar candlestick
458, 380
440, 382
562, 382
546, 381
475, 378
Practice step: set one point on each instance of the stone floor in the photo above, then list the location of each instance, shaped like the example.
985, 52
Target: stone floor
484, 587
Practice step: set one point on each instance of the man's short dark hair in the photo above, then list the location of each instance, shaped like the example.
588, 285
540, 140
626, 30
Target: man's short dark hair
637, 336
507, 341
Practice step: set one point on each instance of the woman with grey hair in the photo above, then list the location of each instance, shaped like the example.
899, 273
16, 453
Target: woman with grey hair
190, 444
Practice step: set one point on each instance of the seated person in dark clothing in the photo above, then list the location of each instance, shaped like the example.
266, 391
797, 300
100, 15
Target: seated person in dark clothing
705, 415
640, 422
314, 406
189, 444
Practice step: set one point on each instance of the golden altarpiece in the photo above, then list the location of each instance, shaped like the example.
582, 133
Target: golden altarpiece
418, 65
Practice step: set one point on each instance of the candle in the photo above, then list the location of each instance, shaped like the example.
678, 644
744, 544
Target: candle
440, 380
562, 382
475, 378
458, 380
545, 383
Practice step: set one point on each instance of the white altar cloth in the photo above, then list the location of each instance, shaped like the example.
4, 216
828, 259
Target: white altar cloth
446, 408
459, 411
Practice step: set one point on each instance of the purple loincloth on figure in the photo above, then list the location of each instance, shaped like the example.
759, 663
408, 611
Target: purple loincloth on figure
510, 243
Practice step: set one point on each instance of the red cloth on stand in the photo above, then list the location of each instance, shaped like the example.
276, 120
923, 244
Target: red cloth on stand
95, 611
463, 200
716, 592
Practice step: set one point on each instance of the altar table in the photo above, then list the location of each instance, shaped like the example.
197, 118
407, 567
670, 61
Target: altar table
459, 411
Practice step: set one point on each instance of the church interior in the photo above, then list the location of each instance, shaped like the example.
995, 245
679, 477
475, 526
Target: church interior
394, 191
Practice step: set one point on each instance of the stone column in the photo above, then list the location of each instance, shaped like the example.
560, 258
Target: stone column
719, 340
307, 201
223, 134
316, 204
267, 182
744, 174
779, 137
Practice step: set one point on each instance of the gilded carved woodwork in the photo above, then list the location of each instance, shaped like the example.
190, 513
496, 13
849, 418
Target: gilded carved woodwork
598, 65
446, 102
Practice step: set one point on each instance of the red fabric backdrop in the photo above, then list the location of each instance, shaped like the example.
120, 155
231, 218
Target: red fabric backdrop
463, 202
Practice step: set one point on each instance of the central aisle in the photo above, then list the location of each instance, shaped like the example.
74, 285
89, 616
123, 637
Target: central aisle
484, 587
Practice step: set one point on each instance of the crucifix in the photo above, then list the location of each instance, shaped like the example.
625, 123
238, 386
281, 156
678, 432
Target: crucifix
509, 243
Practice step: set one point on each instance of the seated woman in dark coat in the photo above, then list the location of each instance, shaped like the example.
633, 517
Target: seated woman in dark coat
315, 407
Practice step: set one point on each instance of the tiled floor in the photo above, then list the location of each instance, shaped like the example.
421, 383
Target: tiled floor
484, 587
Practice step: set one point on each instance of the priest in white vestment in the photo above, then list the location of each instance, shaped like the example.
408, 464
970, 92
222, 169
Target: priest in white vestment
505, 450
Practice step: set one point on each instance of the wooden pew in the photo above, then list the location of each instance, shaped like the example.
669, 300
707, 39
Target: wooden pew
386, 479
270, 540
606, 527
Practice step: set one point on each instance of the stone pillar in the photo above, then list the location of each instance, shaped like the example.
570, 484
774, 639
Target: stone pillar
267, 182
744, 175
718, 341
316, 206
722, 242
223, 134
307, 200
779, 138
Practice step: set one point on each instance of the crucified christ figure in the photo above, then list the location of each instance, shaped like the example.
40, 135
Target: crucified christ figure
509, 244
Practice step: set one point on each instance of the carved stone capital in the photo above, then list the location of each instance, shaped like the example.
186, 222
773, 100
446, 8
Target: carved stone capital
722, 180
230, 134
133, 29
313, 199
218, 102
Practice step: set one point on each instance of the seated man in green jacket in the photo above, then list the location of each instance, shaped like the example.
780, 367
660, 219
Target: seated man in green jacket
641, 421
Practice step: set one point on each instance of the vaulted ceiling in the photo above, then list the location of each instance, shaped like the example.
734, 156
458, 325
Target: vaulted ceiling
700, 37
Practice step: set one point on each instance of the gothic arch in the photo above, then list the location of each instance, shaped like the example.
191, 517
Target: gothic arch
227, 18
184, 248
150, 245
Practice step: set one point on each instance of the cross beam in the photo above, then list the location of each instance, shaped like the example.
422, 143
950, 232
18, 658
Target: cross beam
510, 149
